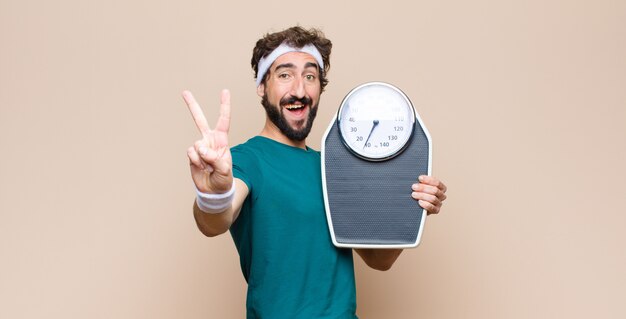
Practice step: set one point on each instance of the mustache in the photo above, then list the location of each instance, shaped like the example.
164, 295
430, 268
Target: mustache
292, 100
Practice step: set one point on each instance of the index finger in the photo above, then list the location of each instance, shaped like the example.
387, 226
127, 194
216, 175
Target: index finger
196, 113
433, 181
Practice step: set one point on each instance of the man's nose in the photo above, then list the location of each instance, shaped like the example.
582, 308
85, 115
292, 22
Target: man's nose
297, 88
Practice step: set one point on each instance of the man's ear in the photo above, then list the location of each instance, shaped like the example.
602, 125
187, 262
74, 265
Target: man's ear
260, 90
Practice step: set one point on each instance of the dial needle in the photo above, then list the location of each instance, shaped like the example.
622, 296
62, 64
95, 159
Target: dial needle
372, 130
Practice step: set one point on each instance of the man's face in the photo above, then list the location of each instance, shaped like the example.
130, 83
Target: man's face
291, 94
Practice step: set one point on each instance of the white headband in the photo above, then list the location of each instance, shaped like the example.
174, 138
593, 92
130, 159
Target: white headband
266, 62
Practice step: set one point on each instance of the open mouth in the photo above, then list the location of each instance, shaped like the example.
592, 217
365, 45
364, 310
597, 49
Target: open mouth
297, 107
294, 107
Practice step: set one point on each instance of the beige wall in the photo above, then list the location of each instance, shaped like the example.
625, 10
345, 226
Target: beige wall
525, 100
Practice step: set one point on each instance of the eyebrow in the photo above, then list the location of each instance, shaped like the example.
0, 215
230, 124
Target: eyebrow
291, 66
311, 64
284, 66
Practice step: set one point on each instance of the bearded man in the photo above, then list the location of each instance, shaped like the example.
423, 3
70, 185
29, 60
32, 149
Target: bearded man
268, 190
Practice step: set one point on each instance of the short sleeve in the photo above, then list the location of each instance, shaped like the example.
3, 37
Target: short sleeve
245, 166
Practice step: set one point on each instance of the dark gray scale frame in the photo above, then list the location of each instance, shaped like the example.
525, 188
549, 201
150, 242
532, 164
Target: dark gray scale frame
369, 203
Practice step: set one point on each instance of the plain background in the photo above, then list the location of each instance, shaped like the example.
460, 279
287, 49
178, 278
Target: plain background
525, 101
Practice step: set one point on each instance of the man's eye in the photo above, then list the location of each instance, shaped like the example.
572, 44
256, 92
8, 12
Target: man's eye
283, 75
310, 77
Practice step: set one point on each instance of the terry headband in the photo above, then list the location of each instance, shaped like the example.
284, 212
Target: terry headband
266, 62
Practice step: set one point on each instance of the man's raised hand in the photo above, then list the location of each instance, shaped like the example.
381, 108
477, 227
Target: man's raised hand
209, 158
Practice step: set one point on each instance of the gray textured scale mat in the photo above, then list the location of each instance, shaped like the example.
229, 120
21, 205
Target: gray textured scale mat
370, 202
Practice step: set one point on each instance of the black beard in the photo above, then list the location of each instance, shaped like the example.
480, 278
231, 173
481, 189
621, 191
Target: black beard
277, 117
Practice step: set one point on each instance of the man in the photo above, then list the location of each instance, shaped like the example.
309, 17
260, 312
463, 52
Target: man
268, 191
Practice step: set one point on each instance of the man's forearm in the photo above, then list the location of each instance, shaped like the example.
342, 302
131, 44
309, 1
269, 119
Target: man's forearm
379, 259
212, 225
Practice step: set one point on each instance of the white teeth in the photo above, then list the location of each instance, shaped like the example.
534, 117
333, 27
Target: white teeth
293, 106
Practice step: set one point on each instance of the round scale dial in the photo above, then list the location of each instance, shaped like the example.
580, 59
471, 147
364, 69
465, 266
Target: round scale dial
376, 121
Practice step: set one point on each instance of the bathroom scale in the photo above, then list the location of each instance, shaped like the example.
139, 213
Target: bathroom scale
372, 152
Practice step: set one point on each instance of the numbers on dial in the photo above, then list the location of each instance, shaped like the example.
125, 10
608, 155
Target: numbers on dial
376, 121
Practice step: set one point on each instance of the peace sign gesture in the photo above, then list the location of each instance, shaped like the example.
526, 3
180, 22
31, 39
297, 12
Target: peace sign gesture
209, 158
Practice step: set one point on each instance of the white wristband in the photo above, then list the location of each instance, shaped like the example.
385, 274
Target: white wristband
215, 203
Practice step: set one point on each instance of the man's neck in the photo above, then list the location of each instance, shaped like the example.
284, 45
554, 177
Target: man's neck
272, 132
